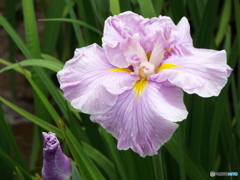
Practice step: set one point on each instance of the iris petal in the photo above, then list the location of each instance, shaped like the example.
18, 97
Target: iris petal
204, 73
144, 124
88, 85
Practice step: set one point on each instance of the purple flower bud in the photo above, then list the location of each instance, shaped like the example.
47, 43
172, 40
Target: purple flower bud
56, 165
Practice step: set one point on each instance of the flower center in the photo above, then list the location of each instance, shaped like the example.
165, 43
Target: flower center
145, 69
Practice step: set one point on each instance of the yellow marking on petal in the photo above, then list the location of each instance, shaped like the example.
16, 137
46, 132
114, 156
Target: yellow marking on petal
120, 70
168, 49
167, 66
139, 87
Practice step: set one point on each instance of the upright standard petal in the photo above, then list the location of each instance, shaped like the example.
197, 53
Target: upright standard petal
163, 25
56, 165
116, 30
183, 41
88, 82
184, 37
205, 72
158, 51
142, 121
119, 27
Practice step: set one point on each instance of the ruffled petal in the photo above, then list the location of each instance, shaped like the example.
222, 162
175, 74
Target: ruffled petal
116, 30
163, 25
144, 123
204, 73
119, 27
87, 82
182, 42
131, 47
184, 37
116, 56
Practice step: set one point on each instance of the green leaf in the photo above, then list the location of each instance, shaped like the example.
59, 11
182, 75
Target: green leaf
81, 23
32, 118
12, 48
158, 166
114, 153
125, 5
35, 62
75, 145
178, 9
92, 133
224, 22
35, 147
5, 128
5, 144
227, 41
89, 14
235, 102
147, 9
100, 160
31, 31
78, 33
97, 11
237, 20
158, 6
75, 173
51, 32
181, 153
15, 37
81, 166
53, 90
13, 165
44, 100
206, 29
18, 69
114, 7
19, 174
193, 169
33, 43
233, 55
51, 58
195, 121
196, 8
102, 8
217, 115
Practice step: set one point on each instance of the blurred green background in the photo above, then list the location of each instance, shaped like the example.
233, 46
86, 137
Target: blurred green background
38, 36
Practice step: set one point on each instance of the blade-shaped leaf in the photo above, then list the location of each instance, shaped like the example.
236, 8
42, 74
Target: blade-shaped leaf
147, 9
81, 23
32, 118
193, 169
35, 62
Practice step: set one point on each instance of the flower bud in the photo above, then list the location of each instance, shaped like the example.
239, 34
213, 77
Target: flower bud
56, 165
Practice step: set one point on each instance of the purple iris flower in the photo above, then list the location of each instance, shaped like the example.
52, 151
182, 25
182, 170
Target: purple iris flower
56, 165
134, 85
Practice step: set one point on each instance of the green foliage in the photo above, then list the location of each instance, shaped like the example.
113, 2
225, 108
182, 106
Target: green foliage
208, 140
